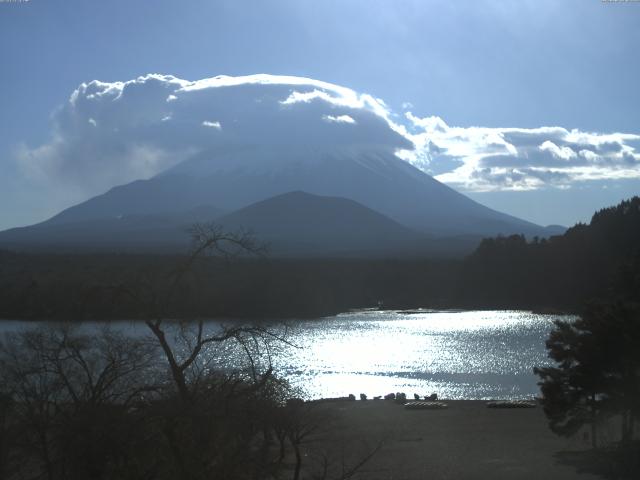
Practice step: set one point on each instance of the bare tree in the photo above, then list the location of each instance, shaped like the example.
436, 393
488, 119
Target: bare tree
182, 355
62, 385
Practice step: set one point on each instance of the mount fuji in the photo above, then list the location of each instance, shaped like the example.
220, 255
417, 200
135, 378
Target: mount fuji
408, 204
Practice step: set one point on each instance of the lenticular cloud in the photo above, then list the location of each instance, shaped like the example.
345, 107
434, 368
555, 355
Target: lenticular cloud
109, 133
112, 133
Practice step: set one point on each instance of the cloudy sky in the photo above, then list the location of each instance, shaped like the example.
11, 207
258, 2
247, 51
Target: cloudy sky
530, 107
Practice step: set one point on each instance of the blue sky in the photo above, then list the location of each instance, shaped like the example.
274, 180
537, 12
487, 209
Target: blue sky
495, 65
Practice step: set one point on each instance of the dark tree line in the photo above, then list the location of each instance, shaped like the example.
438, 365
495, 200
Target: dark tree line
48, 286
599, 260
595, 381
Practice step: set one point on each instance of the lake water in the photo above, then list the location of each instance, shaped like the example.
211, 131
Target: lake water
458, 355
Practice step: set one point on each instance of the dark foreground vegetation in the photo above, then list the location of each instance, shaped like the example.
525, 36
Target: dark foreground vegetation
599, 260
108, 406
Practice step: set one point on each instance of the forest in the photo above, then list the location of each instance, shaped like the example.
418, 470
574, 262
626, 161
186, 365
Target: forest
600, 260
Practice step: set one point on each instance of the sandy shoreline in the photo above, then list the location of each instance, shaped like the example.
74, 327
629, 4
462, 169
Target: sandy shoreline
465, 441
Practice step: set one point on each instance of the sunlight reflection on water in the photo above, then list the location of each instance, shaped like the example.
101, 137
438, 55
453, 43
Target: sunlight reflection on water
458, 355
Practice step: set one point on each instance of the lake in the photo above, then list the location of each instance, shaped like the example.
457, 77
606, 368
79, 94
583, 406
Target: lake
458, 355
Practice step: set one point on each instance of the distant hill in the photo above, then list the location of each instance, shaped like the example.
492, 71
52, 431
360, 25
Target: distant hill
301, 224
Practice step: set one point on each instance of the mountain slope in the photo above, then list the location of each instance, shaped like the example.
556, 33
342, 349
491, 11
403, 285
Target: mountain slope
292, 224
136, 232
233, 178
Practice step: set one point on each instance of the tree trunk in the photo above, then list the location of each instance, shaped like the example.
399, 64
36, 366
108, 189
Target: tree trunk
282, 451
46, 457
176, 372
180, 464
3, 435
594, 442
296, 450
282, 438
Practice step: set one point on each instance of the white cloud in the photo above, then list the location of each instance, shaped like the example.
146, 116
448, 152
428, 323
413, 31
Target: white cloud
112, 133
488, 159
588, 155
565, 153
338, 119
209, 124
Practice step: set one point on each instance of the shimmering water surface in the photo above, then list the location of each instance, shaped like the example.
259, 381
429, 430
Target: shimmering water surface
458, 355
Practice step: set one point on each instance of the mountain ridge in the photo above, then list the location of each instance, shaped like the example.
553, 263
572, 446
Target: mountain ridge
411, 204
379, 181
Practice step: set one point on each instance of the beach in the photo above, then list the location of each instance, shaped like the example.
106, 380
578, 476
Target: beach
467, 440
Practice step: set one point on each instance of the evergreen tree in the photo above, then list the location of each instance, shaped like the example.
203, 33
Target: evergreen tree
597, 373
